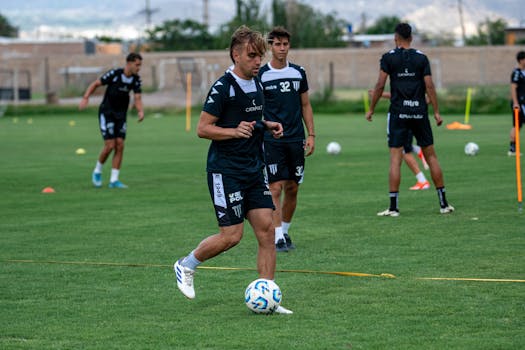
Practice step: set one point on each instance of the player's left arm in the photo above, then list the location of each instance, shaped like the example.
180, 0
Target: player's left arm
137, 97
308, 117
432, 96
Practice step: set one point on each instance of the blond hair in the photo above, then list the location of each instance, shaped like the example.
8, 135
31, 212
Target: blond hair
245, 36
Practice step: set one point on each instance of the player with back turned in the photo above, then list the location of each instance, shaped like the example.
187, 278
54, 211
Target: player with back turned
410, 79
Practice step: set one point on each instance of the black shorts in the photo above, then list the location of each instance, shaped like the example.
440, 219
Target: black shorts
234, 196
399, 126
111, 125
285, 160
521, 118
407, 147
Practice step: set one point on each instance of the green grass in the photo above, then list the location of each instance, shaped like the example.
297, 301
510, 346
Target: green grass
167, 211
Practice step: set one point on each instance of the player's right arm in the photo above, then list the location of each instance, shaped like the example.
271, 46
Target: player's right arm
207, 129
89, 91
432, 97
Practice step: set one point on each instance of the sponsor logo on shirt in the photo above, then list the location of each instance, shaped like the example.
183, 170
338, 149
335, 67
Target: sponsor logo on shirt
406, 73
411, 116
254, 108
270, 87
410, 103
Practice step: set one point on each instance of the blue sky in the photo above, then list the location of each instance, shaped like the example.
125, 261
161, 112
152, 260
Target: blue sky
81, 18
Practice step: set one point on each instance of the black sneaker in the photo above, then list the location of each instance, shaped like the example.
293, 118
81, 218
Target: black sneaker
289, 243
281, 246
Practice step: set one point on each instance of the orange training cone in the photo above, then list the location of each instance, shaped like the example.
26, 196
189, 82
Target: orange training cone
48, 190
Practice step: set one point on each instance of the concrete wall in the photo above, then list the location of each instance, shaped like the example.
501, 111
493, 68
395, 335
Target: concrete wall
347, 68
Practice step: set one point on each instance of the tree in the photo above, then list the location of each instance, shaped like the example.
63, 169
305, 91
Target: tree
6, 29
489, 33
247, 13
177, 35
308, 27
384, 25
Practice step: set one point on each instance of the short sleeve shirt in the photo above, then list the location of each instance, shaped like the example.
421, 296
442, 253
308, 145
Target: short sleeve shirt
231, 105
406, 69
282, 94
518, 77
116, 97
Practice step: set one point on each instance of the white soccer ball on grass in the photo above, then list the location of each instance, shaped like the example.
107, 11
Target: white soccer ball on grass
471, 149
263, 296
333, 148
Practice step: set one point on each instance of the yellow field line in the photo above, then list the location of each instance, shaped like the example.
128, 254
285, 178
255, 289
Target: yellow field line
338, 273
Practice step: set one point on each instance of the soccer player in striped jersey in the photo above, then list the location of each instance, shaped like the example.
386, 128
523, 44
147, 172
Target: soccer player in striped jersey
286, 101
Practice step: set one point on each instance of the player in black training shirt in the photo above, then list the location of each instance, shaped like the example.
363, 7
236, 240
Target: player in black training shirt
517, 92
232, 119
410, 79
112, 114
286, 101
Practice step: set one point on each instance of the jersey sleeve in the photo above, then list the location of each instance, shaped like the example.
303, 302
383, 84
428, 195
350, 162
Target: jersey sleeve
215, 99
137, 86
106, 78
383, 64
515, 76
426, 67
304, 81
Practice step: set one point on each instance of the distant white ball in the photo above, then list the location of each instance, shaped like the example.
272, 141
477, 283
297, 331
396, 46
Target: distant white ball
471, 149
333, 148
263, 296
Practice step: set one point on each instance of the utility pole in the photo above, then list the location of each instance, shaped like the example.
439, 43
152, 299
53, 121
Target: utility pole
148, 11
205, 13
462, 23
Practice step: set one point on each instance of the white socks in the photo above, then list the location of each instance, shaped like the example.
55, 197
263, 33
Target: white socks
285, 226
278, 234
421, 177
114, 175
98, 168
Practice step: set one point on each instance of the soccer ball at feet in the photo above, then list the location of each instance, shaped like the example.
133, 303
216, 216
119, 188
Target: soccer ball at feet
263, 296
333, 148
471, 149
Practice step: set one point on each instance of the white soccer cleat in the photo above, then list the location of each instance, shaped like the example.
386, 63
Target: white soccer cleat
283, 311
448, 209
388, 212
184, 280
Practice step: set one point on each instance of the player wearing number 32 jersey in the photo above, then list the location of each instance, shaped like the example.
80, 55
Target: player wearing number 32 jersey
286, 101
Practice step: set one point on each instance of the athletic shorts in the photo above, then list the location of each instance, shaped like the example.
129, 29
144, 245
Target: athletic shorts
399, 126
111, 127
407, 147
285, 160
234, 196
521, 118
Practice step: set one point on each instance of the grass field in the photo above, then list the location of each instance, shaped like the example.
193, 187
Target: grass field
88, 268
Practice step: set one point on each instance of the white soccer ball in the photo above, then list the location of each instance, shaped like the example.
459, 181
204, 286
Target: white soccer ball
333, 148
471, 149
263, 296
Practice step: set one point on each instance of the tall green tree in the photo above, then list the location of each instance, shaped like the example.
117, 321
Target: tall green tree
247, 13
489, 33
309, 28
6, 29
177, 35
383, 25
